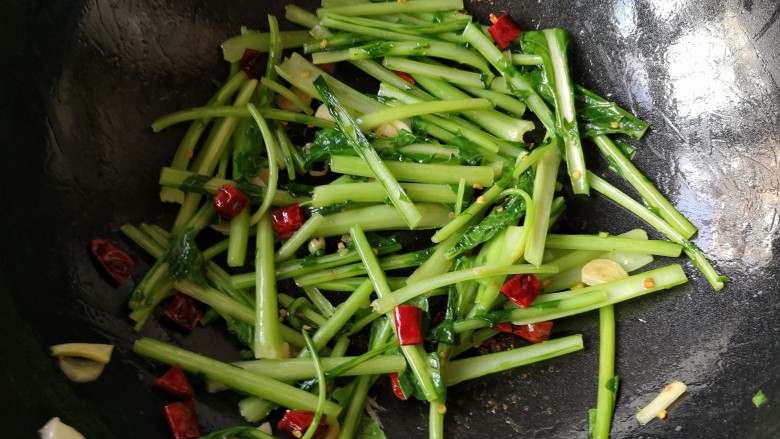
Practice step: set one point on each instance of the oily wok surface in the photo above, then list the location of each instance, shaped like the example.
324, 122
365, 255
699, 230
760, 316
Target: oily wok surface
82, 80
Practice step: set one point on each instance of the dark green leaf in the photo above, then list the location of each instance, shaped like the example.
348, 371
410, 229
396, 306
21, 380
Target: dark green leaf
597, 115
249, 158
195, 184
369, 429
254, 192
333, 208
238, 433
299, 189
185, 259
506, 214
242, 330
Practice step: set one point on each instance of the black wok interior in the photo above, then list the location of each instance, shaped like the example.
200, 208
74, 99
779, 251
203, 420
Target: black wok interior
82, 80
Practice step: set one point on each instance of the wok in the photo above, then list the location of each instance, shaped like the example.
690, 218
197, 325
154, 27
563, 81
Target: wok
82, 80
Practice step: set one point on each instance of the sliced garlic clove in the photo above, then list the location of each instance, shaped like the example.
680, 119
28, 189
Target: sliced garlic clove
323, 113
56, 429
81, 370
599, 271
391, 129
100, 353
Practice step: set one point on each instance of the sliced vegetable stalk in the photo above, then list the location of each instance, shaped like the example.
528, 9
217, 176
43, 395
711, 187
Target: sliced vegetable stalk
474, 367
394, 191
381, 332
553, 45
431, 173
607, 380
646, 189
544, 187
267, 339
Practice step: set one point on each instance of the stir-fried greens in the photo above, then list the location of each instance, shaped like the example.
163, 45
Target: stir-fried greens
419, 215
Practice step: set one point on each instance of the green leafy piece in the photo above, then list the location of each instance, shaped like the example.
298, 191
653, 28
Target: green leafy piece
250, 159
299, 189
598, 115
332, 208
185, 259
502, 216
494, 317
242, 330
195, 183
328, 142
411, 386
240, 432
759, 399
443, 334
254, 192
370, 429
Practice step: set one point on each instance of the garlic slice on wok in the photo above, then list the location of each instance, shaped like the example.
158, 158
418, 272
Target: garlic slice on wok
56, 429
82, 362
599, 271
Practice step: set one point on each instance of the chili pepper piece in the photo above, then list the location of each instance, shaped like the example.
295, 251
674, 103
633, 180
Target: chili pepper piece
397, 390
286, 220
408, 324
503, 327
300, 420
252, 63
405, 76
534, 332
175, 382
182, 420
229, 201
522, 289
504, 30
116, 262
183, 311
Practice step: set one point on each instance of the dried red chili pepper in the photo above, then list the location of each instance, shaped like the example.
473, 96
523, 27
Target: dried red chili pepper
116, 262
182, 420
229, 201
522, 289
286, 220
504, 30
397, 390
408, 324
252, 63
533, 332
183, 311
503, 327
405, 76
299, 420
175, 382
